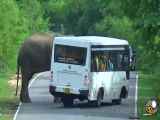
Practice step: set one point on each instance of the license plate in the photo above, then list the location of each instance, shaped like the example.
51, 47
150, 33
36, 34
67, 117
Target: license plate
66, 90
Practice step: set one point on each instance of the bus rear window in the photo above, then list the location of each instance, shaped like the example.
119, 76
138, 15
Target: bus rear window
70, 54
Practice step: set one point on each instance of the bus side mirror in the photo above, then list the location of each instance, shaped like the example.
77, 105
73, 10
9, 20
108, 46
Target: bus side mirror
126, 64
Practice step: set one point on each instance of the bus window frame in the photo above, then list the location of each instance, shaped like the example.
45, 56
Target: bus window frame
84, 56
123, 52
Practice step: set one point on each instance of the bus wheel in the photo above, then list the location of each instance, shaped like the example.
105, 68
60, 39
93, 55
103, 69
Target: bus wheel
99, 99
98, 102
117, 101
67, 101
124, 93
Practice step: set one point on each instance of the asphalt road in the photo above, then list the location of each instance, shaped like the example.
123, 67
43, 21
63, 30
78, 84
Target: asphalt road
43, 108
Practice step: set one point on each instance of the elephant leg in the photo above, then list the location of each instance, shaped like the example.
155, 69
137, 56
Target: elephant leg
24, 95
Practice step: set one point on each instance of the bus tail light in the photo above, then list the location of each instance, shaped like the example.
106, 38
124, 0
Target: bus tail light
51, 76
86, 80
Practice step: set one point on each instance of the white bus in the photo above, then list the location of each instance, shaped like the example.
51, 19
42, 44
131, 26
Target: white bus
89, 68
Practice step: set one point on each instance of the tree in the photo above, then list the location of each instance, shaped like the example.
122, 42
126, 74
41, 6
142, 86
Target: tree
18, 20
34, 13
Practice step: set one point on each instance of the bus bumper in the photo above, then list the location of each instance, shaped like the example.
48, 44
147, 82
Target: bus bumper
82, 95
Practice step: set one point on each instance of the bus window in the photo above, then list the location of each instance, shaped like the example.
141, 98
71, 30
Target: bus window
70, 54
125, 62
102, 61
95, 62
119, 62
122, 61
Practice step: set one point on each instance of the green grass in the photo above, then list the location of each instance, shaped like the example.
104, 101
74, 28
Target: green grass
147, 89
8, 101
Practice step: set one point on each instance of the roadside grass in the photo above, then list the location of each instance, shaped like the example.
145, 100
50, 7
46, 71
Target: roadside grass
8, 102
148, 88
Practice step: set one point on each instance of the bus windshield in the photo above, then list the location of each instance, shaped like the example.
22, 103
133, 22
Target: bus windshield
70, 54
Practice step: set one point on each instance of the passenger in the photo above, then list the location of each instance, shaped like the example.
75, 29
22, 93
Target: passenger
109, 64
97, 58
103, 64
95, 63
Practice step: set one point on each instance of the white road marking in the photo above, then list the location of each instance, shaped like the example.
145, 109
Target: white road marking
19, 106
136, 95
17, 111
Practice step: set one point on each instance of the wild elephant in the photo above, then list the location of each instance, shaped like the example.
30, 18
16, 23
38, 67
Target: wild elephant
34, 56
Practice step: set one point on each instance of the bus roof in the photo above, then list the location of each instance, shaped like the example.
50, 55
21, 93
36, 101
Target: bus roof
93, 40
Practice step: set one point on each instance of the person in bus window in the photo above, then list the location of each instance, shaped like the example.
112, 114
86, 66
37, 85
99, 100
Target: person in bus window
95, 63
100, 63
103, 63
109, 64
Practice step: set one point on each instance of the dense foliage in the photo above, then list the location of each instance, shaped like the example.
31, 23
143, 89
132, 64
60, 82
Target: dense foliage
18, 19
135, 20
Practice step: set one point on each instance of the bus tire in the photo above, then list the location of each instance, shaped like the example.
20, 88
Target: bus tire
117, 101
98, 102
124, 93
67, 101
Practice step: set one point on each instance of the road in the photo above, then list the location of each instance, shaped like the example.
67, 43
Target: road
43, 108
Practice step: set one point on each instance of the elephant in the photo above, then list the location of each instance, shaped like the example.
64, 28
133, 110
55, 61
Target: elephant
34, 56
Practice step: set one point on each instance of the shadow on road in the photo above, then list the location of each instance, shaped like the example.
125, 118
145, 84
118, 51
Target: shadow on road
84, 105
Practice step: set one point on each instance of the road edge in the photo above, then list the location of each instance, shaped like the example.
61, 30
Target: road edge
136, 96
20, 103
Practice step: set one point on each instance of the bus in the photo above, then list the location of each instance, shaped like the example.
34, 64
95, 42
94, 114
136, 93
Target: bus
92, 68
